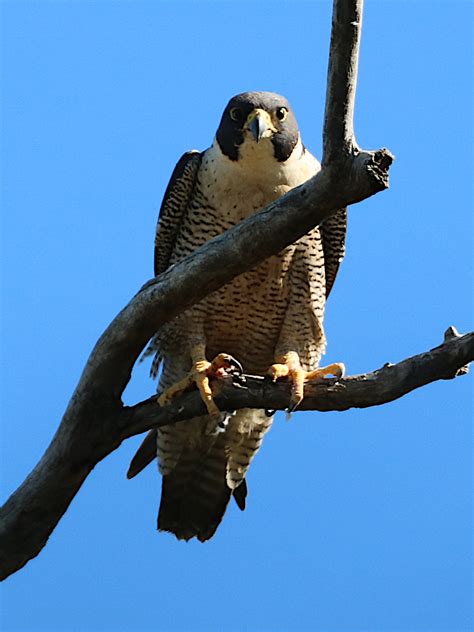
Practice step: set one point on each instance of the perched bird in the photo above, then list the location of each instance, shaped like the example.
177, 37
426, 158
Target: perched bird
270, 319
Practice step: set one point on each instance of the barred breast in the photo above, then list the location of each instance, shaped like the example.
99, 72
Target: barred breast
244, 318
279, 302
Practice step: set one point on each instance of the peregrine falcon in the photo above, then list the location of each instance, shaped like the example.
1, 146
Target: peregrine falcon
269, 319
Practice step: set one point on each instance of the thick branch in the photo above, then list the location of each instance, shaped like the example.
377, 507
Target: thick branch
357, 391
88, 431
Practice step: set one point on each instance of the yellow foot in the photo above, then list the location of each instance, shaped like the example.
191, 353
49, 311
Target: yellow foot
200, 375
290, 367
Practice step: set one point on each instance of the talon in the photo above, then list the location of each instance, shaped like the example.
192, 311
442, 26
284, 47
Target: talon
278, 371
227, 364
200, 375
202, 382
337, 369
166, 397
289, 366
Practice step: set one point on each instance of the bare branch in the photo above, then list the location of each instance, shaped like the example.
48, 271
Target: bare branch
338, 135
89, 431
357, 391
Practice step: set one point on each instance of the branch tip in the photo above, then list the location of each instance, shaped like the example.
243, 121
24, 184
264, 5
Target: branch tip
377, 165
450, 333
383, 158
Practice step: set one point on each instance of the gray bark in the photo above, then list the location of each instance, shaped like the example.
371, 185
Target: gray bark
356, 391
338, 134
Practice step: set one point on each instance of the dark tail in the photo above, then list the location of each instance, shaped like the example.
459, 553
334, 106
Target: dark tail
195, 494
145, 454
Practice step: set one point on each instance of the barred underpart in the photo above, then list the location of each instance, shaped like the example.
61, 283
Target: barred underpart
271, 310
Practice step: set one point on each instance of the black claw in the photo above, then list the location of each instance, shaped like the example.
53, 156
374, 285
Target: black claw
292, 408
269, 412
235, 365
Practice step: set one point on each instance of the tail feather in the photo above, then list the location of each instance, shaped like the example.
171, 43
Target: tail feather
195, 494
244, 437
240, 494
145, 454
202, 468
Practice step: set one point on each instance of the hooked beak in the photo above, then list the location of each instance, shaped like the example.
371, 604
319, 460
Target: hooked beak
259, 124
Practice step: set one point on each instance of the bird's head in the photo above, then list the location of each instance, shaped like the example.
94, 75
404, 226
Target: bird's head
261, 118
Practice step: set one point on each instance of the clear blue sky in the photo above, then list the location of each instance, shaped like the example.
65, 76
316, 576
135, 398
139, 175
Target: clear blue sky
355, 521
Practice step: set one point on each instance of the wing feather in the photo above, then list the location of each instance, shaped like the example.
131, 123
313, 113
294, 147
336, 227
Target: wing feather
175, 202
333, 234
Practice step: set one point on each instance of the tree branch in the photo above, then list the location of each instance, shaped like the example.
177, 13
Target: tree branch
384, 385
89, 431
338, 135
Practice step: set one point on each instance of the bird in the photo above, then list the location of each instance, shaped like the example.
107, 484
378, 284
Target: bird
268, 321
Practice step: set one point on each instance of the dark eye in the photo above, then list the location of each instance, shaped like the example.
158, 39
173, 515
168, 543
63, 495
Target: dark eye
236, 114
281, 113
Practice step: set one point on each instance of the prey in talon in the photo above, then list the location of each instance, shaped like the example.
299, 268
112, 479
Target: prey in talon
201, 375
270, 316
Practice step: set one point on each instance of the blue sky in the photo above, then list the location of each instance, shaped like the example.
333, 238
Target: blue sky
355, 521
